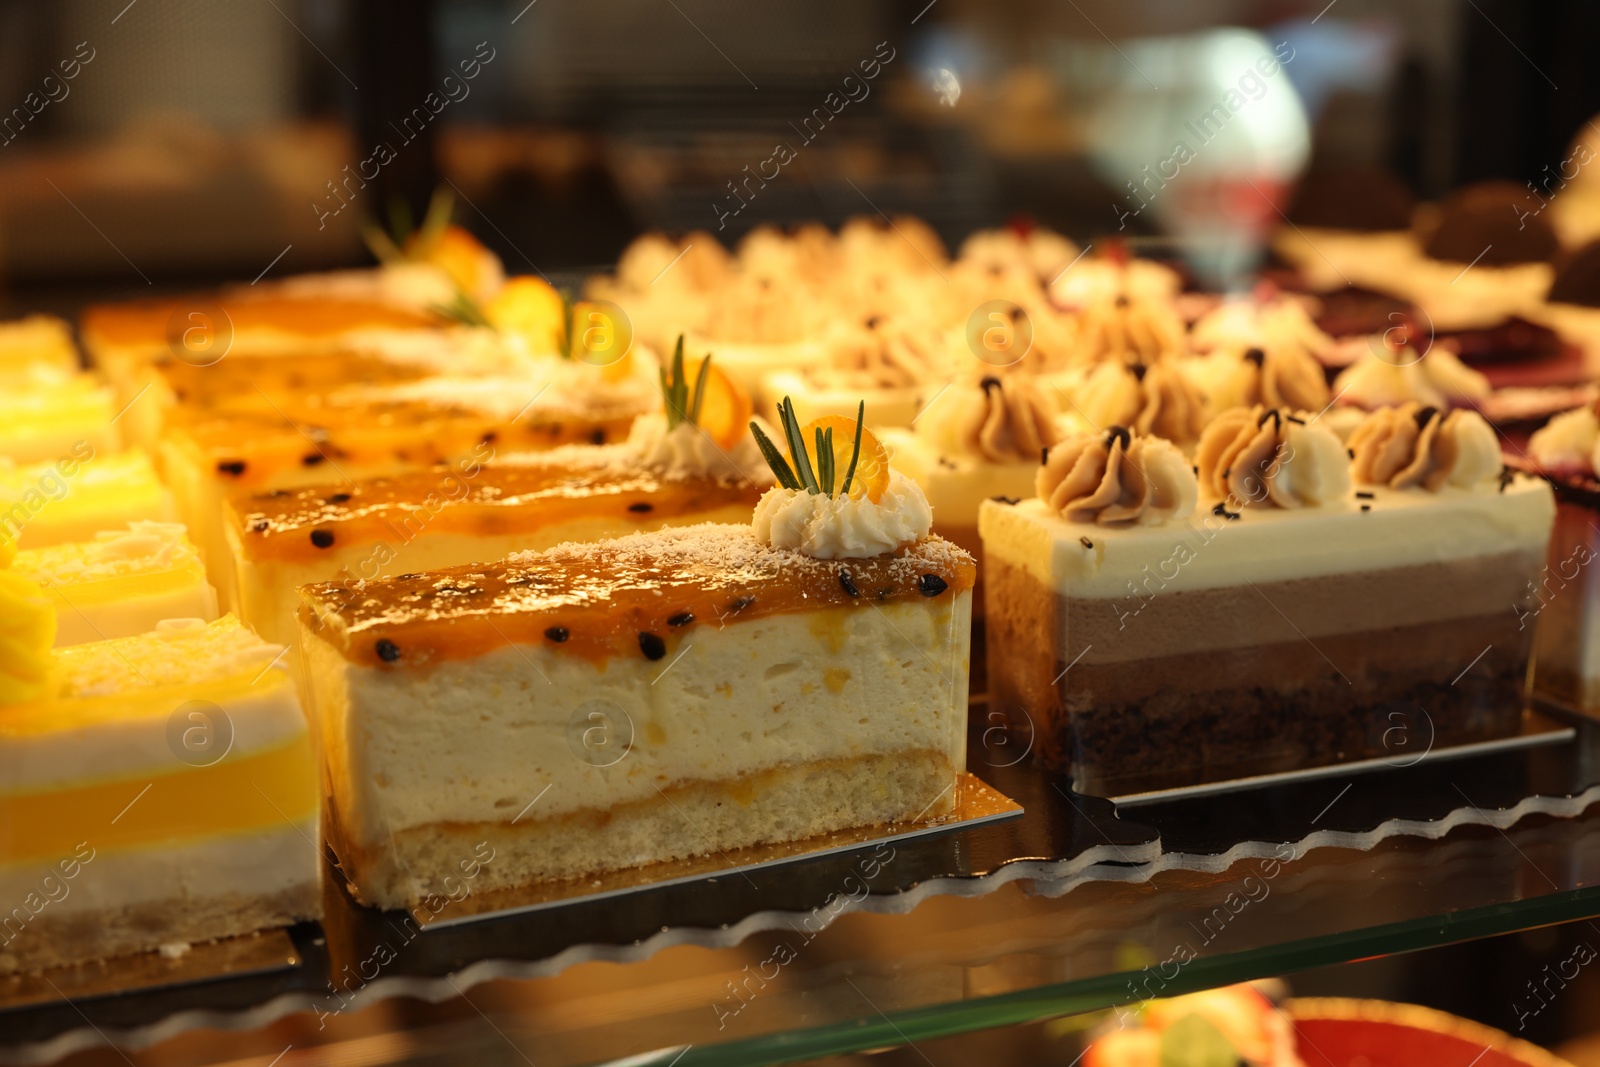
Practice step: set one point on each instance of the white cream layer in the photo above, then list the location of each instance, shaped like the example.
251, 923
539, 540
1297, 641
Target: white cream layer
957, 487
477, 740
254, 865
1403, 528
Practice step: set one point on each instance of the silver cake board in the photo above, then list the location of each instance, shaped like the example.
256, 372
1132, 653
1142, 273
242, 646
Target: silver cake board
1537, 729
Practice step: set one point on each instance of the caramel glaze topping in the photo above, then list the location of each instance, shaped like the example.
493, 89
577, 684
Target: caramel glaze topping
497, 499
622, 598
146, 321
238, 383
260, 449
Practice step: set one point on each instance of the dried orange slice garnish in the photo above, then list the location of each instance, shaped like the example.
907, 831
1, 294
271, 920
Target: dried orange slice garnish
528, 306
724, 408
457, 253
871, 476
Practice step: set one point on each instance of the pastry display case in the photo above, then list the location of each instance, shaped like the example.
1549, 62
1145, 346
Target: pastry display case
709, 535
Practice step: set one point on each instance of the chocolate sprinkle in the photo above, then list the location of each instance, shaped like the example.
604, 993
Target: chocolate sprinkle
740, 603
932, 585
1004, 499
1363, 495
641, 507
1044, 455
1424, 415
322, 538
261, 526
234, 467
387, 650
1138, 371
651, 645
1366, 507
558, 634
1350, 452
990, 382
1085, 542
311, 459
848, 584
682, 618
598, 437
1297, 421
338, 498
1256, 356
1222, 510
1117, 433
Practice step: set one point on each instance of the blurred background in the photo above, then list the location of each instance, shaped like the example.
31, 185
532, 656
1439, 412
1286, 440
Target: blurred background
165, 144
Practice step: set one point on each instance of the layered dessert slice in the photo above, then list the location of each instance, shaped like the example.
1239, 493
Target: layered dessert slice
76, 496
46, 411
362, 432
694, 463
121, 583
158, 789
37, 339
1562, 611
659, 695
1289, 622
977, 439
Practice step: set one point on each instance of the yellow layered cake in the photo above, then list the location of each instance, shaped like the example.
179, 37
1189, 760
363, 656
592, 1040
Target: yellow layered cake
154, 790
37, 339
46, 411
76, 496
662, 695
121, 583
696, 462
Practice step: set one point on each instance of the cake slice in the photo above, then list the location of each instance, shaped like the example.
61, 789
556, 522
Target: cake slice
46, 411
77, 496
694, 463
1290, 622
37, 339
661, 695
158, 789
121, 583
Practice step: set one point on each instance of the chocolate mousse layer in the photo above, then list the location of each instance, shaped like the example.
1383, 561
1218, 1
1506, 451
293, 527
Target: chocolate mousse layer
1159, 690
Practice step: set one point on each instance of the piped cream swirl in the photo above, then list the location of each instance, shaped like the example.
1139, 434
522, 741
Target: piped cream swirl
1412, 445
1157, 400
1568, 443
843, 527
1001, 420
1267, 457
1277, 376
1116, 478
884, 355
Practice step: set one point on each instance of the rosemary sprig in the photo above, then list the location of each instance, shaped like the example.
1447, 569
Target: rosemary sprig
463, 309
855, 449
801, 475
567, 324
675, 390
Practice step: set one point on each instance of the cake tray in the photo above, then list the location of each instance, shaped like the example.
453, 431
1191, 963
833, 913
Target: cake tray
977, 803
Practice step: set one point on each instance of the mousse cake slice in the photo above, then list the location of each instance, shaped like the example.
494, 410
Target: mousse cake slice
1283, 625
661, 695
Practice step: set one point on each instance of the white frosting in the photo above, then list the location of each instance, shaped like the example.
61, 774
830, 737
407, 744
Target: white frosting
1389, 379
686, 451
1569, 441
1404, 528
842, 527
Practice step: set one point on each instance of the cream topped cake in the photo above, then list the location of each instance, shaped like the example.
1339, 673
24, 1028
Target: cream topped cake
37, 339
1269, 607
895, 364
694, 463
978, 439
661, 695
121, 583
1282, 374
1408, 372
1565, 452
77, 495
1157, 398
45, 411
169, 777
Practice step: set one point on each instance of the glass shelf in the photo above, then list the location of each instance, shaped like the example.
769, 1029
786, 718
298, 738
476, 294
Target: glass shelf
1213, 889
